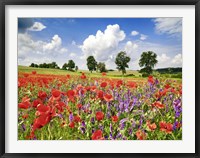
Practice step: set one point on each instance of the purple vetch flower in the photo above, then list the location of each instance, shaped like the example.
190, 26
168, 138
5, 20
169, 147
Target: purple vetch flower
111, 136
119, 113
106, 137
60, 115
82, 130
177, 107
133, 124
35, 138
111, 127
156, 81
71, 117
101, 127
108, 115
121, 106
124, 138
121, 126
130, 131
23, 127
141, 121
92, 120
126, 107
175, 125
133, 104
119, 135
123, 120
83, 123
93, 130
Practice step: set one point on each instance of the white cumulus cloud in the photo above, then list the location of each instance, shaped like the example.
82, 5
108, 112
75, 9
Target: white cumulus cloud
103, 43
171, 26
37, 26
177, 60
163, 58
134, 33
143, 37
130, 47
54, 44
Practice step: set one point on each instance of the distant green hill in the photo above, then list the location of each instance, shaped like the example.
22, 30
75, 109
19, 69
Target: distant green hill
170, 70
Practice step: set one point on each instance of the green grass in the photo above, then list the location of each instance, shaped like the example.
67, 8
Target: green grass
130, 74
115, 74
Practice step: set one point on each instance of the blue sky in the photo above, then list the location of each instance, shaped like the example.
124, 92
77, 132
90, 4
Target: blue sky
61, 39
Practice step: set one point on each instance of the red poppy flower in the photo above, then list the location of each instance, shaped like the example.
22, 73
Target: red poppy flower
114, 118
36, 102
41, 121
166, 127
68, 76
151, 79
167, 86
26, 75
77, 118
100, 94
34, 72
42, 95
151, 126
87, 88
25, 116
99, 115
26, 99
141, 135
42, 109
103, 84
119, 83
79, 106
71, 125
93, 88
131, 84
83, 76
108, 97
97, 135
158, 104
23, 105
56, 93
60, 106
103, 74
70, 95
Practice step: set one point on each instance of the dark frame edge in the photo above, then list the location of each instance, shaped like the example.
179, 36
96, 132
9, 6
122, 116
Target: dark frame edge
2, 74
197, 65
98, 155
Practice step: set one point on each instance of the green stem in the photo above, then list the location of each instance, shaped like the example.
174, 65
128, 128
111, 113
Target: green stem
50, 135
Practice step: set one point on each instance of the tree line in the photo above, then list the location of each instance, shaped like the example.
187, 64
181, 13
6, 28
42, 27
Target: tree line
147, 62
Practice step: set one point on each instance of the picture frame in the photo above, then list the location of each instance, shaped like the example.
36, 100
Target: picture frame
3, 73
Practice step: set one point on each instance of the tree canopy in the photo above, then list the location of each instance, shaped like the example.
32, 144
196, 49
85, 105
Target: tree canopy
101, 67
91, 63
148, 61
122, 61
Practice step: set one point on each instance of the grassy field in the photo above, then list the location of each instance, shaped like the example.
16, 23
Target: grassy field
130, 74
25, 69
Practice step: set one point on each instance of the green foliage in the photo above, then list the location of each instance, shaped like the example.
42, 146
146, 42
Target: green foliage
32, 65
170, 70
122, 61
64, 67
148, 61
52, 65
71, 65
76, 68
101, 67
91, 64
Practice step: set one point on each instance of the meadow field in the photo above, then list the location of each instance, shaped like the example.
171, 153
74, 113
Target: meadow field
63, 105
